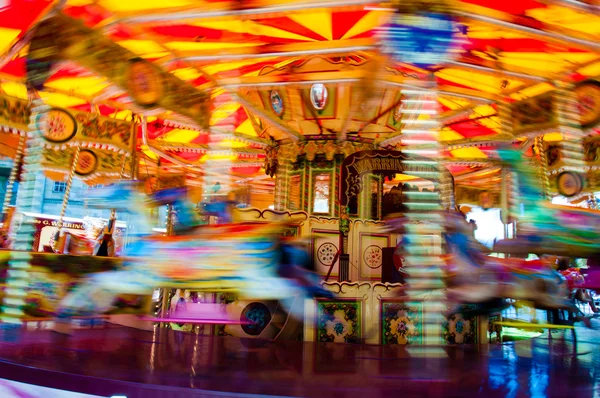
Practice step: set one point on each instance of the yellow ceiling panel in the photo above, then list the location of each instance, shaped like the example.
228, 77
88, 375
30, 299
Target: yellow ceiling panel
86, 86
79, 3
546, 62
13, 89
567, 18
232, 144
61, 100
180, 135
223, 112
453, 103
367, 23
481, 82
148, 152
155, 55
483, 110
492, 123
532, 91
205, 46
468, 153
230, 66
318, 22
483, 32
252, 28
591, 70
246, 128
142, 5
448, 134
141, 47
187, 73
7, 37
218, 158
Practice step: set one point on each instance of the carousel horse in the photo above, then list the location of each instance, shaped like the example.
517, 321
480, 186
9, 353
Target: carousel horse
241, 258
577, 284
472, 277
295, 262
547, 228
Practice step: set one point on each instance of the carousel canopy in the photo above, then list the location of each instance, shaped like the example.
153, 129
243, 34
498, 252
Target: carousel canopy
260, 61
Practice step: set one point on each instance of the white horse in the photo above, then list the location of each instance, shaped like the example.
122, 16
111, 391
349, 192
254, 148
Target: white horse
247, 259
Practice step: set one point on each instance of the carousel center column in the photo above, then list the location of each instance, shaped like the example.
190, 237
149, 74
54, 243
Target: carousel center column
22, 239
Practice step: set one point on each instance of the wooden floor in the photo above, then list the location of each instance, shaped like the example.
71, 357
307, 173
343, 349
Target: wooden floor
164, 363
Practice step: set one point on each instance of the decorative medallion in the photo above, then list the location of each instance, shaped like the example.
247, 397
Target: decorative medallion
373, 256
588, 95
144, 83
339, 321
401, 323
318, 96
87, 163
460, 330
569, 184
259, 317
326, 253
276, 102
60, 126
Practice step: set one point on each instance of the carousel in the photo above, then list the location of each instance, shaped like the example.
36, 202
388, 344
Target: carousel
279, 174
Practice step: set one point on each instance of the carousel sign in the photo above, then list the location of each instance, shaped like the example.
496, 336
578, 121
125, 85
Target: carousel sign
382, 162
62, 126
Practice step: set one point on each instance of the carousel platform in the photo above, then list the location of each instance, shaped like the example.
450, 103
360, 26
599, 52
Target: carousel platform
124, 362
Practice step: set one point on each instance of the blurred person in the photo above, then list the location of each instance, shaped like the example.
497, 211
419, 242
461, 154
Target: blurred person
178, 294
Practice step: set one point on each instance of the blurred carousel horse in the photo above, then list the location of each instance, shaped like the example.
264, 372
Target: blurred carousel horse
247, 259
547, 228
577, 285
472, 277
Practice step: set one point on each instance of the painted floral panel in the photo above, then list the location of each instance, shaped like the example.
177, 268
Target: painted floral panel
339, 321
458, 329
401, 323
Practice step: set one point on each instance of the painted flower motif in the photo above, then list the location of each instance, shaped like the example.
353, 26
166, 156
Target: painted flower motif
403, 328
460, 327
339, 327
56, 126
